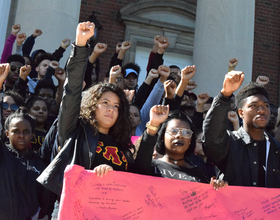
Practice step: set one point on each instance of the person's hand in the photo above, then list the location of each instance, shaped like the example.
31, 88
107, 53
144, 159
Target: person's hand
37, 33
100, 48
125, 45
233, 117
115, 71
129, 95
191, 85
156, 40
232, 63
102, 170
15, 29
54, 64
162, 44
4, 70
24, 72
118, 47
202, 98
153, 74
65, 43
164, 72
232, 82
217, 184
20, 38
169, 88
187, 73
262, 80
84, 31
158, 114
60, 75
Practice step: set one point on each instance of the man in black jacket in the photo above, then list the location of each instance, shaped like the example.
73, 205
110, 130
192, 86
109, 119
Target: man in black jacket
249, 156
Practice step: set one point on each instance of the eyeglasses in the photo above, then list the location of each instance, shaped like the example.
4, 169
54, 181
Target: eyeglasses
14, 68
13, 107
186, 133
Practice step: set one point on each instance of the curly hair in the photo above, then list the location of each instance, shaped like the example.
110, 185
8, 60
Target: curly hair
160, 145
120, 131
16, 96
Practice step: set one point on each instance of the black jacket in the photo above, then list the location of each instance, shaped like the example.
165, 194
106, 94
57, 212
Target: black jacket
234, 152
77, 137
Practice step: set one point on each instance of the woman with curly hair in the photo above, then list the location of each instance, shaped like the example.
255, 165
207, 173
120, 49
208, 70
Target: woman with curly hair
93, 132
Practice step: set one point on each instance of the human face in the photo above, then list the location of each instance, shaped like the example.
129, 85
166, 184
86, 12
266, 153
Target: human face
273, 117
10, 102
19, 134
42, 68
39, 111
107, 111
255, 112
130, 81
198, 146
176, 74
14, 71
135, 116
176, 145
47, 95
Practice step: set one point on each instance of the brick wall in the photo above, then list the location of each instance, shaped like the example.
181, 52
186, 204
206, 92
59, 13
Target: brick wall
113, 31
266, 60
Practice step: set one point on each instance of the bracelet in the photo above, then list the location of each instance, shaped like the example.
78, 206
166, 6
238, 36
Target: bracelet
151, 127
229, 70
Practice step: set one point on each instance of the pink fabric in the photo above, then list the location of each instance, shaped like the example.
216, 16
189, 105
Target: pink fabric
123, 195
8, 48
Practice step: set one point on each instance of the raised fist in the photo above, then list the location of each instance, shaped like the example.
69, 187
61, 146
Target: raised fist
84, 31
163, 42
202, 98
100, 48
15, 29
37, 33
54, 64
187, 73
169, 88
60, 75
4, 70
262, 80
232, 82
164, 72
126, 45
20, 38
65, 43
191, 85
158, 114
118, 47
232, 63
24, 72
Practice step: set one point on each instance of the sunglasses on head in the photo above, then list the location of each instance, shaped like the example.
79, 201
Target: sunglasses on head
14, 68
13, 107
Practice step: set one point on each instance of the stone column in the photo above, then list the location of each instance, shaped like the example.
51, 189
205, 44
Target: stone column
4, 18
224, 29
57, 20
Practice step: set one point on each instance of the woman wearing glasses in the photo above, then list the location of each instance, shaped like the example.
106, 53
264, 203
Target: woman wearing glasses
11, 102
173, 137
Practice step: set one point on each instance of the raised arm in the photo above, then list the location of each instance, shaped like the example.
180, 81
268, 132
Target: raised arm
215, 124
71, 100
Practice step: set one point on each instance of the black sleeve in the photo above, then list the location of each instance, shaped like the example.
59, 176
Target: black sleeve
21, 87
141, 95
58, 54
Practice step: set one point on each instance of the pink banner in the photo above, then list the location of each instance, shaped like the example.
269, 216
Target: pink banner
122, 195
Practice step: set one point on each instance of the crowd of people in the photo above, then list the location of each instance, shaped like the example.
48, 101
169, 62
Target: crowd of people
160, 128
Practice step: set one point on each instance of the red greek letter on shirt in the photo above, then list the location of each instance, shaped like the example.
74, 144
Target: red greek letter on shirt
111, 153
98, 148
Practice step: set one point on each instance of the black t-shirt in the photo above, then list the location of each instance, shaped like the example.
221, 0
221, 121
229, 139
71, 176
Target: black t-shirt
108, 153
172, 171
37, 140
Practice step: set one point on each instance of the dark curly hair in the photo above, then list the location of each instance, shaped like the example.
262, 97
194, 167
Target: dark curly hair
160, 146
16, 96
23, 114
122, 128
248, 90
